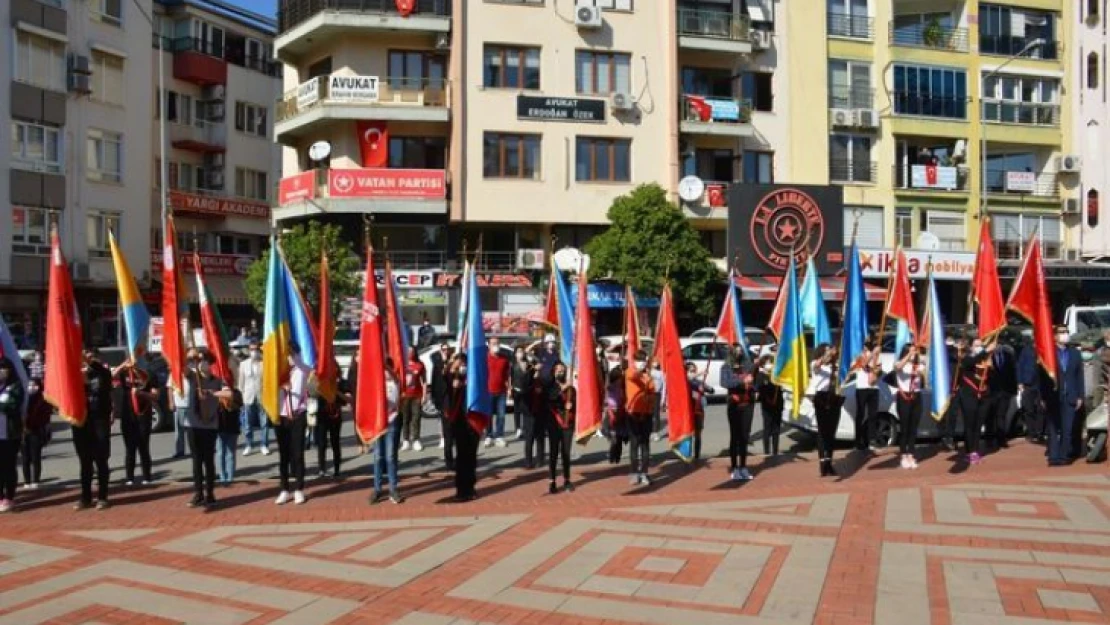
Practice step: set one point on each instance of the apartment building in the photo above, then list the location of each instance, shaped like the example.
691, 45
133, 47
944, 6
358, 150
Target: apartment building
221, 85
1091, 130
77, 158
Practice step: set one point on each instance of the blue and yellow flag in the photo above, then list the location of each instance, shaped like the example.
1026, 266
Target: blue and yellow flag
564, 310
136, 318
791, 363
276, 336
302, 330
814, 314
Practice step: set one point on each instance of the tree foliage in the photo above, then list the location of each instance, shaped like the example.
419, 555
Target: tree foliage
649, 235
301, 247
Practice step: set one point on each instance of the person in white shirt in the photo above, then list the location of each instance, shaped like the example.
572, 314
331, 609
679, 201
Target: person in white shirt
826, 404
293, 406
251, 416
909, 371
867, 371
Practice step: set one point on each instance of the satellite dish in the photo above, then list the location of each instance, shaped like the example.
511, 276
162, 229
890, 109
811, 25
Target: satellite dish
319, 151
691, 188
571, 260
928, 241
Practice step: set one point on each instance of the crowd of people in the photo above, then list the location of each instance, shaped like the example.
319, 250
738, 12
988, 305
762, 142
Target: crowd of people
211, 414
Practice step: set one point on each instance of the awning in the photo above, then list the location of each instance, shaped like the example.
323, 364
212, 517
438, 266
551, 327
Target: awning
832, 288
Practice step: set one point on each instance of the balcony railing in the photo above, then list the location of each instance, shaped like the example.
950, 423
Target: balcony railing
948, 107
234, 56
854, 171
851, 98
949, 178
431, 92
293, 12
1027, 113
1018, 183
1010, 46
932, 36
709, 109
714, 24
854, 26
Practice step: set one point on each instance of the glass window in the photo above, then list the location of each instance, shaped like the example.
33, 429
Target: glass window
1092, 208
999, 164
104, 151
251, 184
99, 225
903, 227
511, 67
603, 160
107, 78
849, 84
868, 223
603, 73
710, 82
414, 69
40, 61
511, 156
930, 91
30, 230
850, 158
418, 152
949, 228
111, 11
1007, 31
250, 118
758, 167
36, 147
755, 87
1092, 70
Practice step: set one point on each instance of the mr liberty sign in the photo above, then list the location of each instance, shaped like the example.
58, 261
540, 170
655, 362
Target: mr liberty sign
767, 223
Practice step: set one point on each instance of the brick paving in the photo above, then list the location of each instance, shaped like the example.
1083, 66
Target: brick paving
1007, 542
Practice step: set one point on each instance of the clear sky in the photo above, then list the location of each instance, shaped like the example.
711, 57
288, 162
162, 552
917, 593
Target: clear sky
265, 7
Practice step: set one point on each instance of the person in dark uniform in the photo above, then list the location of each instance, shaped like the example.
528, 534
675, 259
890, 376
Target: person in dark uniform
698, 391
1065, 401
441, 358
536, 436
133, 397
739, 382
11, 422
329, 427
93, 439
1002, 389
951, 416
465, 438
1029, 376
616, 421
972, 396
560, 397
521, 378
771, 404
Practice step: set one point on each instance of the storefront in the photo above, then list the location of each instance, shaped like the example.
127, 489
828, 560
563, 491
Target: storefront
952, 272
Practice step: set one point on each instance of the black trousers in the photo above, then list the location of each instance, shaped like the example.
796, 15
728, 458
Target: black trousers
202, 442
826, 406
1032, 413
772, 429
997, 419
518, 412
739, 433
561, 440
290, 438
93, 444
974, 410
448, 441
136, 442
618, 435
639, 435
33, 442
867, 408
699, 425
466, 458
909, 417
328, 430
535, 429
8, 475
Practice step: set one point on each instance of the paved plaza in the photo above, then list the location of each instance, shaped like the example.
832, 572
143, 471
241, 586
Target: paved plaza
1007, 542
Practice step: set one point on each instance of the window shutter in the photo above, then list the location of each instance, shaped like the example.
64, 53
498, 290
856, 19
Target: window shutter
870, 231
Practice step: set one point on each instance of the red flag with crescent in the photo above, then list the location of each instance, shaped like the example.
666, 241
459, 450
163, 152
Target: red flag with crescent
373, 141
406, 7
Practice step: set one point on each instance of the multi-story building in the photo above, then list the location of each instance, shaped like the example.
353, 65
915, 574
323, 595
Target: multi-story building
1091, 130
221, 85
76, 158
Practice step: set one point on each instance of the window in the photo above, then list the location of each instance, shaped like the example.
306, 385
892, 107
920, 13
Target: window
40, 61
511, 67
603, 73
36, 147
99, 225
930, 30
418, 152
107, 78
416, 69
104, 151
849, 18
756, 88
1011, 232
110, 11
1092, 208
850, 158
319, 68
256, 53
930, 91
30, 230
949, 228
759, 167
1007, 30
1092, 70
251, 184
903, 227
1092, 9
999, 164
710, 82
614, 5
849, 85
179, 108
510, 156
870, 230
232, 244
603, 160
1021, 100
717, 165
209, 38
250, 118
716, 241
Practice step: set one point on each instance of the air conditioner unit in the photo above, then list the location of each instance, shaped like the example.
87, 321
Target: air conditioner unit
621, 102
79, 64
443, 41
866, 118
80, 83
1069, 164
586, 16
842, 117
1073, 256
530, 259
1071, 206
761, 39
79, 271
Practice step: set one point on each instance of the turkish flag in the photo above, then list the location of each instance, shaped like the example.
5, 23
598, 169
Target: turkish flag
700, 107
64, 386
373, 141
668, 349
587, 407
371, 408
931, 175
406, 7
716, 193
1029, 299
899, 298
986, 287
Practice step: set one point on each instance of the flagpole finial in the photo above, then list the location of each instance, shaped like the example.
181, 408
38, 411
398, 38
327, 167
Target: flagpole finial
367, 221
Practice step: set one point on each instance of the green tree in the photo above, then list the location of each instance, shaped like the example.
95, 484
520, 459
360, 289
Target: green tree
301, 247
648, 236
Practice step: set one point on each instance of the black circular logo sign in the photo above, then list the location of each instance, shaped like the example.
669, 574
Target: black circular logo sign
785, 221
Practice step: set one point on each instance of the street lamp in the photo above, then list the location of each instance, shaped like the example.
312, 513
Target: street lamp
1036, 43
163, 172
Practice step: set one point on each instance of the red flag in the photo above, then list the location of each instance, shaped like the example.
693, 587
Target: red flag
327, 370
631, 326
64, 386
551, 304
700, 107
395, 341
173, 340
373, 141
778, 313
214, 335
899, 302
372, 416
680, 411
716, 195
985, 286
1029, 298
726, 324
406, 7
587, 385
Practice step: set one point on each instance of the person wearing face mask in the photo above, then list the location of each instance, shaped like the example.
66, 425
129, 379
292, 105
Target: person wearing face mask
972, 396
251, 417
1001, 391
36, 433
385, 452
867, 370
560, 433
1065, 401
698, 391
639, 393
771, 404
11, 431
133, 397
737, 379
616, 420
203, 430
826, 404
1029, 392
655, 368
465, 438
521, 380
909, 372
93, 440
499, 369
956, 348
182, 402
293, 405
548, 356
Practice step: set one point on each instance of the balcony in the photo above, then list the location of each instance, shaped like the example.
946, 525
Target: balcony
1024, 113
334, 97
262, 65
851, 98
303, 22
200, 136
722, 117
931, 179
371, 191
1010, 46
931, 36
1022, 184
713, 204
853, 172
946, 108
199, 62
714, 31
851, 26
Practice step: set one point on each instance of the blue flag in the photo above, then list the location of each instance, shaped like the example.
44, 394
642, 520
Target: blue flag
566, 316
814, 314
854, 332
478, 400
11, 352
302, 329
939, 378
902, 337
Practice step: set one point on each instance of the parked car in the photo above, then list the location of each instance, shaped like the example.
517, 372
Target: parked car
709, 357
758, 339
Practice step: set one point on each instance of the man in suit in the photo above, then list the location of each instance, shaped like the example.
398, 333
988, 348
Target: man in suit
1065, 401
1002, 389
438, 386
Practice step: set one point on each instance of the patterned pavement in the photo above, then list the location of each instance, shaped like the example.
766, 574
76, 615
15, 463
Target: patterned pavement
1008, 542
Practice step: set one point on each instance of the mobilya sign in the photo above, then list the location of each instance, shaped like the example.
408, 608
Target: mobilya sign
560, 109
768, 223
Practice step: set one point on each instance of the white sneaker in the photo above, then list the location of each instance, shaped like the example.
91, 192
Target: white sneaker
405, 446
499, 442
129, 483
265, 451
518, 435
488, 442
655, 438
298, 498
745, 475
417, 446
247, 450
913, 462
442, 442
905, 462
26, 486
645, 480
283, 498
634, 479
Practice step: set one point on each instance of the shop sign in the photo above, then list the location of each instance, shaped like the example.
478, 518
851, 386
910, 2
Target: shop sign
877, 263
767, 224
1021, 181
308, 92
408, 279
353, 88
487, 280
300, 186
541, 108
427, 298
214, 264
612, 296
220, 206
421, 184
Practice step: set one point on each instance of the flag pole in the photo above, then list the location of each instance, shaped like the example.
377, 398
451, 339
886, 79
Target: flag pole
886, 301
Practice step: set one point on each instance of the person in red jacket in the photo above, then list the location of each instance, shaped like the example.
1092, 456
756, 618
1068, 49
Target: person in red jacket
499, 369
412, 396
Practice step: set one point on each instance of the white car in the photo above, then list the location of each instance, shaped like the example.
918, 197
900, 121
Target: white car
758, 340
706, 354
